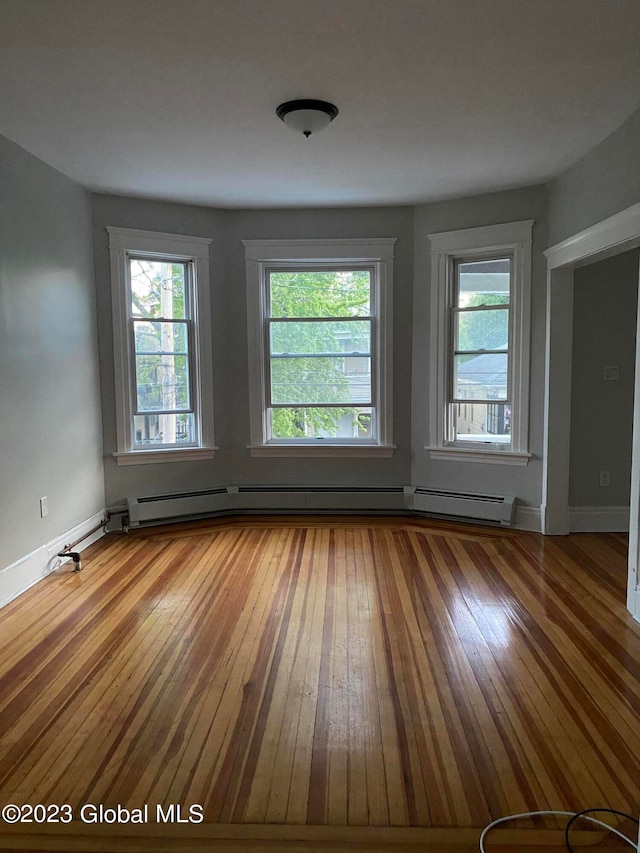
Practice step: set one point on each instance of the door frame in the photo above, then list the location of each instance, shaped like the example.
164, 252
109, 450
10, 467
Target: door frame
611, 236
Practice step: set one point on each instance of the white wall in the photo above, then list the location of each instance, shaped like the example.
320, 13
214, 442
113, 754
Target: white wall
605, 299
49, 382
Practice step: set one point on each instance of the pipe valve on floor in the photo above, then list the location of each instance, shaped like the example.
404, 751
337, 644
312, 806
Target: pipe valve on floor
75, 556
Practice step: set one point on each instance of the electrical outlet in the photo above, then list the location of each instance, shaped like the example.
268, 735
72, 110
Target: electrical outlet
44, 507
605, 478
611, 374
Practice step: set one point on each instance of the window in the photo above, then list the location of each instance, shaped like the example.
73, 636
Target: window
319, 346
162, 348
480, 343
480, 316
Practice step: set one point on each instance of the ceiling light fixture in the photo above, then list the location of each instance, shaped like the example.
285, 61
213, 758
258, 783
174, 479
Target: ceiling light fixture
307, 116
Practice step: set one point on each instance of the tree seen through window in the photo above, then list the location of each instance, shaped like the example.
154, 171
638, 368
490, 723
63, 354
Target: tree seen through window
320, 353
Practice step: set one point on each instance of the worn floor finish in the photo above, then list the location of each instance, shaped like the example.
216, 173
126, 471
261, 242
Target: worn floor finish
337, 673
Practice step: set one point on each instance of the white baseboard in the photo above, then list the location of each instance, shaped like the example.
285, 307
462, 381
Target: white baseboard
599, 519
528, 518
27, 571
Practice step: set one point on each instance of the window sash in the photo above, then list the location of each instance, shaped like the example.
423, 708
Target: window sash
318, 267
188, 322
188, 278
271, 322
373, 259
347, 394
170, 436
331, 357
456, 312
188, 353
503, 439
474, 245
316, 440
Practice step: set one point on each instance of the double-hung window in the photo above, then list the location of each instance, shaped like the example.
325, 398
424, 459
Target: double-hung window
480, 399
320, 349
480, 343
161, 346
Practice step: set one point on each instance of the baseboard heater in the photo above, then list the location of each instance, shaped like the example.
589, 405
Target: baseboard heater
181, 506
158, 509
462, 506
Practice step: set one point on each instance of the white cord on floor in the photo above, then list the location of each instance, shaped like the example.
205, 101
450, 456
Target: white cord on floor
495, 823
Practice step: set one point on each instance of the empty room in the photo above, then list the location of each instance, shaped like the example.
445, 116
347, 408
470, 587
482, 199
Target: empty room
320, 407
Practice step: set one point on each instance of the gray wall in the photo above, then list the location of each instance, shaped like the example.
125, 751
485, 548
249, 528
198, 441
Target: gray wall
233, 463
227, 228
50, 412
49, 382
174, 219
492, 209
605, 301
603, 182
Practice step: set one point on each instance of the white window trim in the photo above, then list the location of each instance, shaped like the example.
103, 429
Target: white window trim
514, 238
259, 254
123, 241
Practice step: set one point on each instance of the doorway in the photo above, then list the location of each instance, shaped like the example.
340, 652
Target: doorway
612, 236
605, 300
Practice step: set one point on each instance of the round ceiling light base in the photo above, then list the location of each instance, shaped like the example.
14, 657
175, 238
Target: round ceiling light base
307, 116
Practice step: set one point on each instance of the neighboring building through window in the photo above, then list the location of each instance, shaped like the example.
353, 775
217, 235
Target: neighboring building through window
480, 404
480, 343
320, 349
161, 345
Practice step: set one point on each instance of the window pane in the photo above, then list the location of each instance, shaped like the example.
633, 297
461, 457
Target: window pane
483, 283
157, 288
163, 429
325, 337
161, 337
482, 422
477, 330
162, 383
321, 380
342, 293
339, 422
480, 377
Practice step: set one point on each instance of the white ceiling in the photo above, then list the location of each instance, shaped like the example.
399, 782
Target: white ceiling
176, 99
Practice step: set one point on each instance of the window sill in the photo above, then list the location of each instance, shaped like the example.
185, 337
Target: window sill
322, 450
493, 457
183, 454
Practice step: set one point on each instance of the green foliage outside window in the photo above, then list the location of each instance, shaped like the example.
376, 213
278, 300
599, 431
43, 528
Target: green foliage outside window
320, 377
483, 330
158, 289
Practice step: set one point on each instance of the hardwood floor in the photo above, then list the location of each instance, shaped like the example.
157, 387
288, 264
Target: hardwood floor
336, 684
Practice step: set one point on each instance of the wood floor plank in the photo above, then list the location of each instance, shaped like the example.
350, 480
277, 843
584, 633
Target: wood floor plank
309, 658
577, 687
284, 839
347, 673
